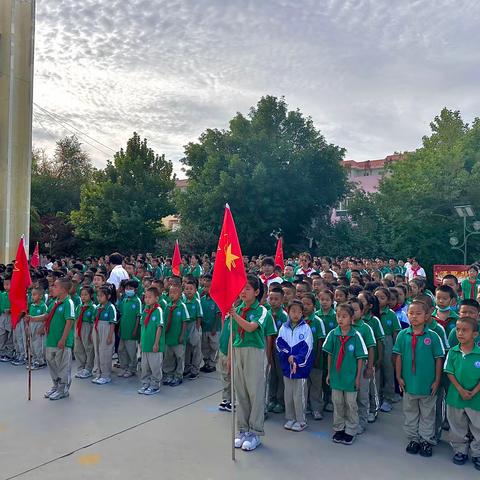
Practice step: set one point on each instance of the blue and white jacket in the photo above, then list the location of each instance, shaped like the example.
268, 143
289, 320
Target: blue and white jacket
298, 342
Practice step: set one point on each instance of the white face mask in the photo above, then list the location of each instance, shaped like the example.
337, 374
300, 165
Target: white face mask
129, 293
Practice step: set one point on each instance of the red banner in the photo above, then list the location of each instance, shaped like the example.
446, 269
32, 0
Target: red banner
439, 271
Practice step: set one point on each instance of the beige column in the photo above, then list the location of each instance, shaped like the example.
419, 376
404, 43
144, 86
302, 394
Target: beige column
17, 20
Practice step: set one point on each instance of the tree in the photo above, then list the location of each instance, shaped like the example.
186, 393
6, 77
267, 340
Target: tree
122, 207
273, 167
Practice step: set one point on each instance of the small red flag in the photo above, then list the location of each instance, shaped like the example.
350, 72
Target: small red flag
177, 260
35, 260
279, 254
229, 275
20, 282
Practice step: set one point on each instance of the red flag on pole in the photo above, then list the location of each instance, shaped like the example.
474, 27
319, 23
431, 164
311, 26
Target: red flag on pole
177, 260
229, 275
35, 260
20, 282
279, 254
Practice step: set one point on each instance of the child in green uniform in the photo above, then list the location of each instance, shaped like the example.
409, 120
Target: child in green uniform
83, 349
363, 394
315, 379
346, 355
468, 308
152, 342
130, 308
193, 350
463, 399
469, 286
419, 361
249, 355
6, 341
37, 307
176, 317
58, 326
211, 326
391, 326
104, 334
224, 341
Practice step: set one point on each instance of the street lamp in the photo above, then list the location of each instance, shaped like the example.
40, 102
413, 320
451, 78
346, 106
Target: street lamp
464, 211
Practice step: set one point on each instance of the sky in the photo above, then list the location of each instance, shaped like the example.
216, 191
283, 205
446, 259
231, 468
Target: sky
372, 74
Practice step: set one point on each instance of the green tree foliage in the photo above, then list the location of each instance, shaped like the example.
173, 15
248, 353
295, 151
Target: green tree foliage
122, 207
273, 167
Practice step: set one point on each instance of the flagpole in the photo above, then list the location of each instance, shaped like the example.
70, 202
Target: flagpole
232, 388
28, 345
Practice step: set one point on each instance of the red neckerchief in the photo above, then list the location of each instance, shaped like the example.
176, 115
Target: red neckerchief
83, 309
149, 314
414, 344
415, 270
50, 316
266, 279
243, 314
341, 353
443, 323
97, 318
171, 309
397, 307
472, 288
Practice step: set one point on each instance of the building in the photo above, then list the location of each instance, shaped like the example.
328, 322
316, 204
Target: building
366, 175
172, 222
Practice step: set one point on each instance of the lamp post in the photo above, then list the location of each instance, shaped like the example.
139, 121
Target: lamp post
464, 211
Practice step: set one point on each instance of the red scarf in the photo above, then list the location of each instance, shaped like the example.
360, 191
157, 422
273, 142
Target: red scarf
472, 288
414, 344
397, 307
50, 316
243, 314
341, 353
266, 279
97, 317
415, 270
149, 314
83, 309
170, 316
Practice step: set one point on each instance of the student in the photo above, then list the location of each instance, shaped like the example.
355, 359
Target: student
396, 307
152, 343
443, 313
468, 308
58, 327
469, 286
193, 351
371, 312
346, 355
295, 351
104, 334
268, 275
391, 327
249, 354
276, 402
452, 281
341, 294
288, 273
315, 379
305, 267
176, 317
37, 307
289, 291
6, 339
419, 361
194, 268
463, 400
223, 349
211, 327
363, 394
83, 345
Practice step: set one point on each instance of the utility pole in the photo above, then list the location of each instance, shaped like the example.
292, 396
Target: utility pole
17, 28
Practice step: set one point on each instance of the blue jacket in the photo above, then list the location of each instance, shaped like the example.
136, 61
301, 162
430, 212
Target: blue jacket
298, 342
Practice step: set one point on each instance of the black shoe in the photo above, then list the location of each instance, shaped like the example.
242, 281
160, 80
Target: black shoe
228, 407
204, 369
211, 370
413, 447
425, 449
193, 376
445, 425
167, 382
460, 459
476, 462
223, 405
348, 439
338, 436
186, 373
176, 382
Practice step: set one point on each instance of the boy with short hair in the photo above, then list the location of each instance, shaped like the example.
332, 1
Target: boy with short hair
176, 317
463, 400
37, 307
468, 308
193, 351
418, 367
211, 326
152, 342
443, 313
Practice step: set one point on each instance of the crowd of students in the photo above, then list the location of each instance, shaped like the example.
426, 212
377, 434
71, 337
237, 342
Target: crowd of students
351, 336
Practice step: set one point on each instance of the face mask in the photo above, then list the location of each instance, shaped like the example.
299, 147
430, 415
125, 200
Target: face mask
129, 293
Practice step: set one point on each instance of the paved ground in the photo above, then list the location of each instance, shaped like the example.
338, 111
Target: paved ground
112, 432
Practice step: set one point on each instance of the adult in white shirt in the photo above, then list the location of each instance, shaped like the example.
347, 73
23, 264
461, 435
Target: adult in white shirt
118, 273
414, 270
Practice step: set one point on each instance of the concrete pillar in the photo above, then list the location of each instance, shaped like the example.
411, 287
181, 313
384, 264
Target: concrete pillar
17, 25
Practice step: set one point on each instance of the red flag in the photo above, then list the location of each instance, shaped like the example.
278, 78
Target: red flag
35, 260
20, 282
177, 260
229, 275
279, 254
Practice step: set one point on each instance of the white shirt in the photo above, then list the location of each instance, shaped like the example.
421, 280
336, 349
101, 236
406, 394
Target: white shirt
117, 274
410, 273
271, 279
49, 265
335, 275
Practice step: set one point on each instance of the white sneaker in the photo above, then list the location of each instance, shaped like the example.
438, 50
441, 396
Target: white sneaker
50, 392
289, 424
122, 373
142, 390
151, 391
240, 438
317, 415
80, 374
299, 427
95, 379
386, 407
58, 395
251, 443
371, 418
103, 381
